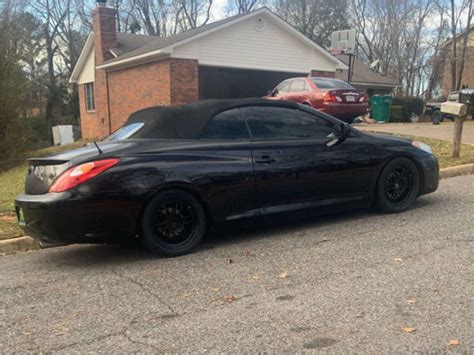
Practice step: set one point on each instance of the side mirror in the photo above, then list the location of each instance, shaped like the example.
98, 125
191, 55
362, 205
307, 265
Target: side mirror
341, 132
274, 92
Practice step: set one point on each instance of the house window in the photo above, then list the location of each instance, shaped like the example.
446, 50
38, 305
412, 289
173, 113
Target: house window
89, 95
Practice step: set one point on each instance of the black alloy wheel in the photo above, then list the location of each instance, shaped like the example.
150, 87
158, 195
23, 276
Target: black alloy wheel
173, 223
398, 186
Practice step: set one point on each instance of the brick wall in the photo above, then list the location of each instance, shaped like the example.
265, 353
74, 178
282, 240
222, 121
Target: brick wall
326, 74
184, 77
135, 88
468, 72
165, 82
90, 126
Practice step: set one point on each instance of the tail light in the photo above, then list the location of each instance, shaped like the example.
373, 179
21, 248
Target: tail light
331, 97
81, 173
364, 98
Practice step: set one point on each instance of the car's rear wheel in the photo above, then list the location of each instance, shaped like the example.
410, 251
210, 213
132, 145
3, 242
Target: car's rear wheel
398, 186
173, 223
437, 117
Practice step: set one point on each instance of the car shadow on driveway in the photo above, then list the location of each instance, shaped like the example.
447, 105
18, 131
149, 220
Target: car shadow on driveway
218, 238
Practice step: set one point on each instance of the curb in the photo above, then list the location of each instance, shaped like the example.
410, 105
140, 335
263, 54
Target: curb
14, 245
458, 170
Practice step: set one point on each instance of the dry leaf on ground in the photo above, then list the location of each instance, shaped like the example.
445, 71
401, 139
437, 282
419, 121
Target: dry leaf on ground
398, 259
454, 342
215, 289
411, 301
284, 275
229, 298
408, 330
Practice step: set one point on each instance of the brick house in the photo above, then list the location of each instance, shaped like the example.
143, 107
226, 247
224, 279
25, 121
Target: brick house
446, 56
241, 56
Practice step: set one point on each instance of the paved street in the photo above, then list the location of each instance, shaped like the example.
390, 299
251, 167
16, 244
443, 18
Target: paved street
346, 283
443, 131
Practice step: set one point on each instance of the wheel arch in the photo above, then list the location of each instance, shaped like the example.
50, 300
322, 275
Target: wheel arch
393, 157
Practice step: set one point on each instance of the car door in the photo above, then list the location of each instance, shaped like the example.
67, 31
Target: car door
282, 91
294, 166
298, 91
226, 175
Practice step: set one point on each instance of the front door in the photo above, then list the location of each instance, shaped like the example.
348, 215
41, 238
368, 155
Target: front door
293, 165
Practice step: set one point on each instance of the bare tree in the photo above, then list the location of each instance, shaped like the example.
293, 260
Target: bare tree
243, 6
195, 13
52, 13
317, 19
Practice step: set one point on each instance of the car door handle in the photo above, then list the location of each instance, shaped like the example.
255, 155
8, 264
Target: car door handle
265, 159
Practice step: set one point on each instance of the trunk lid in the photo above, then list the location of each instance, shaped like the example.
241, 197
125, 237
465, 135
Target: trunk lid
348, 96
43, 171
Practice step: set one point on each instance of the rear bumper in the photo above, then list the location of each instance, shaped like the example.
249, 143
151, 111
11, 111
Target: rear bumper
344, 110
67, 218
430, 168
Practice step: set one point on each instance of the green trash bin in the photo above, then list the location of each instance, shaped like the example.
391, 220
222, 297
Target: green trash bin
381, 105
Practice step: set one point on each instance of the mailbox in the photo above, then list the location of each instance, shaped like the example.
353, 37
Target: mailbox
454, 108
466, 96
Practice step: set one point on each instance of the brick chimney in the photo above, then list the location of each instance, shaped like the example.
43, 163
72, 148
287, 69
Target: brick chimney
105, 31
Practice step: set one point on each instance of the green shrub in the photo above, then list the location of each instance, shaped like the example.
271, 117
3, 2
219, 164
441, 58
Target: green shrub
396, 114
410, 105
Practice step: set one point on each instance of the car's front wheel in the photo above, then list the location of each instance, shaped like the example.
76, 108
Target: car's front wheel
173, 223
398, 186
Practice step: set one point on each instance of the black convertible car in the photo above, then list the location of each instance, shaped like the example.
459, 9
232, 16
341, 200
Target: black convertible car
171, 172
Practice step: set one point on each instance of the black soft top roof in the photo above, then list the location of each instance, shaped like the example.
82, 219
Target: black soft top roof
188, 121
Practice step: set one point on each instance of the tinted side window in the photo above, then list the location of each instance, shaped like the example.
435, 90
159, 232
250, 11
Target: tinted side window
268, 123
298, 85
226, 125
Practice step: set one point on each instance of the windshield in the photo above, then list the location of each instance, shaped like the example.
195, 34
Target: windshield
323, 83
125, 132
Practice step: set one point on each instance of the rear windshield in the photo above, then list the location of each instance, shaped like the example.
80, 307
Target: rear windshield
125, 132
323, 83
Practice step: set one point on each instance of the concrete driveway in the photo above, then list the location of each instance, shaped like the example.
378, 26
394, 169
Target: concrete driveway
443, 131
356, 282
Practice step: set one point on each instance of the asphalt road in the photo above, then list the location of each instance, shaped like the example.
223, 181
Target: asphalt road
346, 283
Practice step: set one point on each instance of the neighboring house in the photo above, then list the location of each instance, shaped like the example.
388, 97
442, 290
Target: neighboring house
364, 78
241, 56
446, 56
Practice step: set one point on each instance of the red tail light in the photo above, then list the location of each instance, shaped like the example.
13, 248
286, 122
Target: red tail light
78, 174
364, 98
331, 97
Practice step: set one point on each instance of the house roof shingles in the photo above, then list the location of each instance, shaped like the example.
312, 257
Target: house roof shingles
362, 74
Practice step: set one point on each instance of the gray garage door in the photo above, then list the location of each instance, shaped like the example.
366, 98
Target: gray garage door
225, 83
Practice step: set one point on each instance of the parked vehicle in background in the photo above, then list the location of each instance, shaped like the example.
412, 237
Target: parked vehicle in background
332, 96
171, 172
433, 108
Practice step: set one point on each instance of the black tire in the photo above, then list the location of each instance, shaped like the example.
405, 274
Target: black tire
173, 223
437, 117
398, 186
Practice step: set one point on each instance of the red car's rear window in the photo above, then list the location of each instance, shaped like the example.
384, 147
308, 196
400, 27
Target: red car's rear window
323, 83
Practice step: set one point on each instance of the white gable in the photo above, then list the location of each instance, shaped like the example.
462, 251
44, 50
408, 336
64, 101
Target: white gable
259, 42
87, 73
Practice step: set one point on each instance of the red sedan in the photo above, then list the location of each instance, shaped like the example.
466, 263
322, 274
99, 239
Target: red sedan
333, 96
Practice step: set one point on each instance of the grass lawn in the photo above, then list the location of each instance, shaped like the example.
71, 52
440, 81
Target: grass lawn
12, 180
442, 150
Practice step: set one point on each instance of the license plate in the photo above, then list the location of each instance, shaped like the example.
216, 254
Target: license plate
350, 98
21, 217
